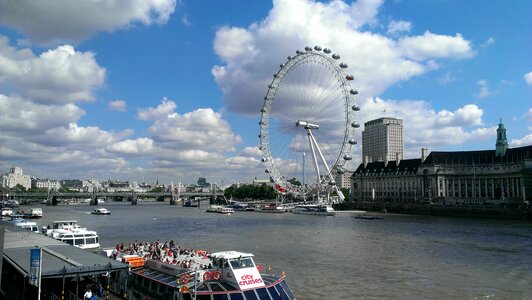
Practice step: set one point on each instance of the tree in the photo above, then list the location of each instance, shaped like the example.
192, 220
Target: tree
158, 189
294, 181
250, 191
19, 188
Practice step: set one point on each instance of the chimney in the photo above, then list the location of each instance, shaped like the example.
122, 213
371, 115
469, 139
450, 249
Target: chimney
366, 161
385, 161
424, 154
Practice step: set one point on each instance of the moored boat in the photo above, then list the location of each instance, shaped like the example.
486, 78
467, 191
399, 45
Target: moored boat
6, 212
220, 210
23, 223
31, 212
71, 233
101, 211
202, 276
314, 209
271, 208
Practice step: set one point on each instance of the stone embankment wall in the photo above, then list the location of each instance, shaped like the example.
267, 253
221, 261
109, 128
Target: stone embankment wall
496, 212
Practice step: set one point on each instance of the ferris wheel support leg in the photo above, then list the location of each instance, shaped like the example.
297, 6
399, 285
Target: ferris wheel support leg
311, 136
315, 159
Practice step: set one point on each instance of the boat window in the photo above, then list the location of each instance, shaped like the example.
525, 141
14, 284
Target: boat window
96, 239
79, 241
70, 242
237, 296
286, 289
215, 287
91, 241
78, 235
220, 296
263, 294
241, 263
250, 295
273, 292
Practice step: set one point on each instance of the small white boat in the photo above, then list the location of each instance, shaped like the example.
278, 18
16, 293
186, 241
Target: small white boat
31, 212
6, 212
271, 208
314, 209
71, 233
20, 222
220, 210
101, 211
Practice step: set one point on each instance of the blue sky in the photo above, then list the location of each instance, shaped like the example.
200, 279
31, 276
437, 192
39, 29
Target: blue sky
171, 90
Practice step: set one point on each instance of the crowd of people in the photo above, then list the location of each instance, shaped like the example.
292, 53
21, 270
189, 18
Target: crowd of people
167, 252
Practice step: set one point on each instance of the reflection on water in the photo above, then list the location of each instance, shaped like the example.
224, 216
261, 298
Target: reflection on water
340, 257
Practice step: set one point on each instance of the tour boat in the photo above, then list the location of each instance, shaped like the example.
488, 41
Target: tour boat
71, 233
220, 210
271, 208
314, 209
101, 211
221, 275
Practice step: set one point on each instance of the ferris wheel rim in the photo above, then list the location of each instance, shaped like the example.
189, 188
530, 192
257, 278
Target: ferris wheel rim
347, 93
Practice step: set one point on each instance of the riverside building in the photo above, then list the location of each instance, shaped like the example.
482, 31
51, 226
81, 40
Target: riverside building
502, 175
382, 140
14, 177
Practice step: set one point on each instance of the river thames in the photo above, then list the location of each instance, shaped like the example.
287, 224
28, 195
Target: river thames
340, 257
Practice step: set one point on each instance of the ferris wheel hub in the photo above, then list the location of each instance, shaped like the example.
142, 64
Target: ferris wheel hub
307, 125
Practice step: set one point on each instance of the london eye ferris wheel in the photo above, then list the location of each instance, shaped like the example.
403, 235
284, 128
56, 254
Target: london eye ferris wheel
307, 126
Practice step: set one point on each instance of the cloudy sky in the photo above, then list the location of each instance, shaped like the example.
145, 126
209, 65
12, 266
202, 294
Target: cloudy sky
171, 90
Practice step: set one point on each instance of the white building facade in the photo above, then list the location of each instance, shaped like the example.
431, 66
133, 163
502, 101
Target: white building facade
382, 140
48, 184
14, 177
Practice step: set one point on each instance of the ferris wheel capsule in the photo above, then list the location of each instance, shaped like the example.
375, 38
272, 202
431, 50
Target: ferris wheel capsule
327, 50
308, 48
355, 124
347, 157
343, 65
317, 48
352, 141
336, 56
298, 52
355, 107
349, 77
282, 65
353, 92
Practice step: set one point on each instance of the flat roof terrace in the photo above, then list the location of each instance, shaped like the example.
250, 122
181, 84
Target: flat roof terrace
59, 260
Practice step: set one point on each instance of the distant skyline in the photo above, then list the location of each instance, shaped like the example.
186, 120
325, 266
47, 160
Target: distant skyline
171, 90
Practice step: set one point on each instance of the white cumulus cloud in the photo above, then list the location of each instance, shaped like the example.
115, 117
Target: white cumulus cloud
484, 90
117, 105
398, 27
56, 76
528, 78
252, 55
59, 21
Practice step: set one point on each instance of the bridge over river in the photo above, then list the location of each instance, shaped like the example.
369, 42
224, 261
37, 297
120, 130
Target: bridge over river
53, 197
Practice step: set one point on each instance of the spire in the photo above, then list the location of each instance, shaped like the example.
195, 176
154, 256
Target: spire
502, 143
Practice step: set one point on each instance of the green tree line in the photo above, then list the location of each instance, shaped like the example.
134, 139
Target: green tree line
250, 191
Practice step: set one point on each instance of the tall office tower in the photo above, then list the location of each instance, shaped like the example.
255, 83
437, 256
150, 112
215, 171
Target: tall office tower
382, 140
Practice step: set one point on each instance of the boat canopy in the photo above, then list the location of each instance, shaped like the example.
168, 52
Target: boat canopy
231, 254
